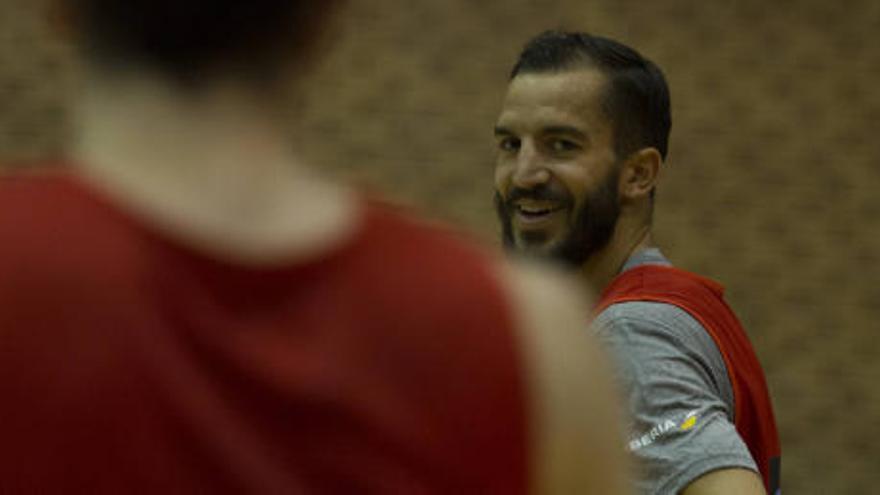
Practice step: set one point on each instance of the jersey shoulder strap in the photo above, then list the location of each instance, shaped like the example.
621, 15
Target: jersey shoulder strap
703, 299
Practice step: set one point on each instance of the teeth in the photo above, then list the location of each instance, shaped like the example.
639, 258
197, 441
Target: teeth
529, 211
534, 210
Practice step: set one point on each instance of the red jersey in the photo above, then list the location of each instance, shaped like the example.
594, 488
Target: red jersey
130, 363
703, 300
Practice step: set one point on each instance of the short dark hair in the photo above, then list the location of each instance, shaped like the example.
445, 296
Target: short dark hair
187, 39
636, 100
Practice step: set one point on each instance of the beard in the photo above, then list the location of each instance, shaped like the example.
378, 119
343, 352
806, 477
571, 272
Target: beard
590, 230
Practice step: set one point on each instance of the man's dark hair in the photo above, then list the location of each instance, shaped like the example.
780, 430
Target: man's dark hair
189, 39
636, 100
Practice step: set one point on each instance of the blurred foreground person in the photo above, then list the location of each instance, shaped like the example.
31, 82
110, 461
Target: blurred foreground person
582, 136
187, 308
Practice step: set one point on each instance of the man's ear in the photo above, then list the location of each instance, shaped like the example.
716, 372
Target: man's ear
639, 174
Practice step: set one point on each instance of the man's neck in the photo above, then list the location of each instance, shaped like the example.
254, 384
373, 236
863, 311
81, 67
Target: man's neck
210, 168
601, 268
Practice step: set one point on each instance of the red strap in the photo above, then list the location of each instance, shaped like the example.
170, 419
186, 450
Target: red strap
703, 300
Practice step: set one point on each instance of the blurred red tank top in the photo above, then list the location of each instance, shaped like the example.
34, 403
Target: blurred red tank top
703, 300
132, 364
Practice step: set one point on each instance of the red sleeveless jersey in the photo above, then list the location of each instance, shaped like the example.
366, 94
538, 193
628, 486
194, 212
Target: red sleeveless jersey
132, 364
703, 300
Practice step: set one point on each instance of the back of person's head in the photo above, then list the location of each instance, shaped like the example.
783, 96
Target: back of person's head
636, 100
189, 40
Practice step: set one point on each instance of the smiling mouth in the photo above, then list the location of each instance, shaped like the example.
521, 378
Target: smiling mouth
534, 215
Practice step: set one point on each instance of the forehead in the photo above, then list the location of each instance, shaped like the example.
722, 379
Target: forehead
541, 100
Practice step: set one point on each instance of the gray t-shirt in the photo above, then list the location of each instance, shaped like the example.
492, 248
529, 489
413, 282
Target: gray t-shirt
676, 385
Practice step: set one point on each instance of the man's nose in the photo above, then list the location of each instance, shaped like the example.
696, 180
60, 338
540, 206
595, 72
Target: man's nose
530, 169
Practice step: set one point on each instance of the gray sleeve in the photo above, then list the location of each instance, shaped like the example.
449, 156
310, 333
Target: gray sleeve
676, 386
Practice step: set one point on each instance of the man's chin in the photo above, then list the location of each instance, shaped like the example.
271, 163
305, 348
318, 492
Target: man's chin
554, 251
538, 249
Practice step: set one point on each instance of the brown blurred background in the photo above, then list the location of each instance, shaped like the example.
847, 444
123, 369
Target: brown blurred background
771, 186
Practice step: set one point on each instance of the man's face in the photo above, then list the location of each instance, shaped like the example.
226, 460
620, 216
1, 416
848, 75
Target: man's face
556, 174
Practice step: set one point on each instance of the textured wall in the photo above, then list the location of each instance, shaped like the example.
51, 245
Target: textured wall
770, 186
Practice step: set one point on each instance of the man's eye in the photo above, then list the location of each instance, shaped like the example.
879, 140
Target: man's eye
563, 145
509, 144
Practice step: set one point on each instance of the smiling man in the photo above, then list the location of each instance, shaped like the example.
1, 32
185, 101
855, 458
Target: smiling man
582, 138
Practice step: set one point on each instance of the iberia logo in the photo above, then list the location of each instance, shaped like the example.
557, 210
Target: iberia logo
664, 428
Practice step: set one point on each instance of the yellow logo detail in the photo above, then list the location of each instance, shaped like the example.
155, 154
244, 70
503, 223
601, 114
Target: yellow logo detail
689, 423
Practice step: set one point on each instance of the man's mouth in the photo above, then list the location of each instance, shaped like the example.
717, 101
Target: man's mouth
536, 213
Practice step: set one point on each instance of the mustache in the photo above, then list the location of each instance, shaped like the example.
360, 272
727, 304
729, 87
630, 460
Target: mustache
540, 193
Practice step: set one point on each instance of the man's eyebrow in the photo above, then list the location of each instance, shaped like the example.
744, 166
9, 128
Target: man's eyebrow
502, 131
565, 129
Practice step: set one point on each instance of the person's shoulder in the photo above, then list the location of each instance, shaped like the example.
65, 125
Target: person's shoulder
642, 334
578, 432
435, 268
50, 229
412, 245
27, 201
30, 191
472, 272
643, 313
545, 290
550, 308
410, 231
18, 184
650, 320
